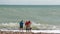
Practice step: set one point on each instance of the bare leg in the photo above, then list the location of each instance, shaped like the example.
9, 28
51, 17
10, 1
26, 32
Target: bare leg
29, 31
26, 31
21, 30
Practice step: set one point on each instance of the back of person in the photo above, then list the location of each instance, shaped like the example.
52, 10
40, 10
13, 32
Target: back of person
28, 24
21, 24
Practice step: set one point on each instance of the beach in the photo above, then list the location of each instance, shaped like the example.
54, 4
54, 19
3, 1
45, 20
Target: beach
32, 32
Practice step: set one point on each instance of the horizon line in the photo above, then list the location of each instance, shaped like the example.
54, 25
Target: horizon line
6, 4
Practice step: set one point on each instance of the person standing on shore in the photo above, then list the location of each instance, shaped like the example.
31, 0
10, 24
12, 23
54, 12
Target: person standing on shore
21, 26
28, 26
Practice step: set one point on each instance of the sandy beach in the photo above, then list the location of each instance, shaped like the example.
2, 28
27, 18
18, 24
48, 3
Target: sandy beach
33, 32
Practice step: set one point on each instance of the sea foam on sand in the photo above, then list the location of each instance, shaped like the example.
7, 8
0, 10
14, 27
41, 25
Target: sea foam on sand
36, 31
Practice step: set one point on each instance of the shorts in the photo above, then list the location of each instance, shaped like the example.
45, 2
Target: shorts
21, 26
28, 28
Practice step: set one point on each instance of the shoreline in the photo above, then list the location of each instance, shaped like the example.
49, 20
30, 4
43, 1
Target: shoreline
17, 32
35, 31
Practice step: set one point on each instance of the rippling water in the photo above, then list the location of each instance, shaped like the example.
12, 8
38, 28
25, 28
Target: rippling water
42, 16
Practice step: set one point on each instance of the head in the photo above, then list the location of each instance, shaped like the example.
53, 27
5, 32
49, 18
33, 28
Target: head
29, 21
21, 20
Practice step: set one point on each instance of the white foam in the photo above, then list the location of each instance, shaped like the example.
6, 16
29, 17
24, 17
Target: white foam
34, 26
36, 31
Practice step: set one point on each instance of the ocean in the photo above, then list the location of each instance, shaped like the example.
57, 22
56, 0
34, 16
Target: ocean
43, 17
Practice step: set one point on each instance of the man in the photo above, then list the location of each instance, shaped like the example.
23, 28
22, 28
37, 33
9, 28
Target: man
28, 26
21, 25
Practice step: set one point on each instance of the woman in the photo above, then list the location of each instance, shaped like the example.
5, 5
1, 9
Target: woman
28, 26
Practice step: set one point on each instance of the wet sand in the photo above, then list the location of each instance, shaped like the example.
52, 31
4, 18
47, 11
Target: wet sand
11, 32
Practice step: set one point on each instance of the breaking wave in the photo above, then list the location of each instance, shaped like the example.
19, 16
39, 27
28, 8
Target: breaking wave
35, 26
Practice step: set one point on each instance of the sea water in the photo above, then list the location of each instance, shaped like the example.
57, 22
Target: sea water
43, 17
